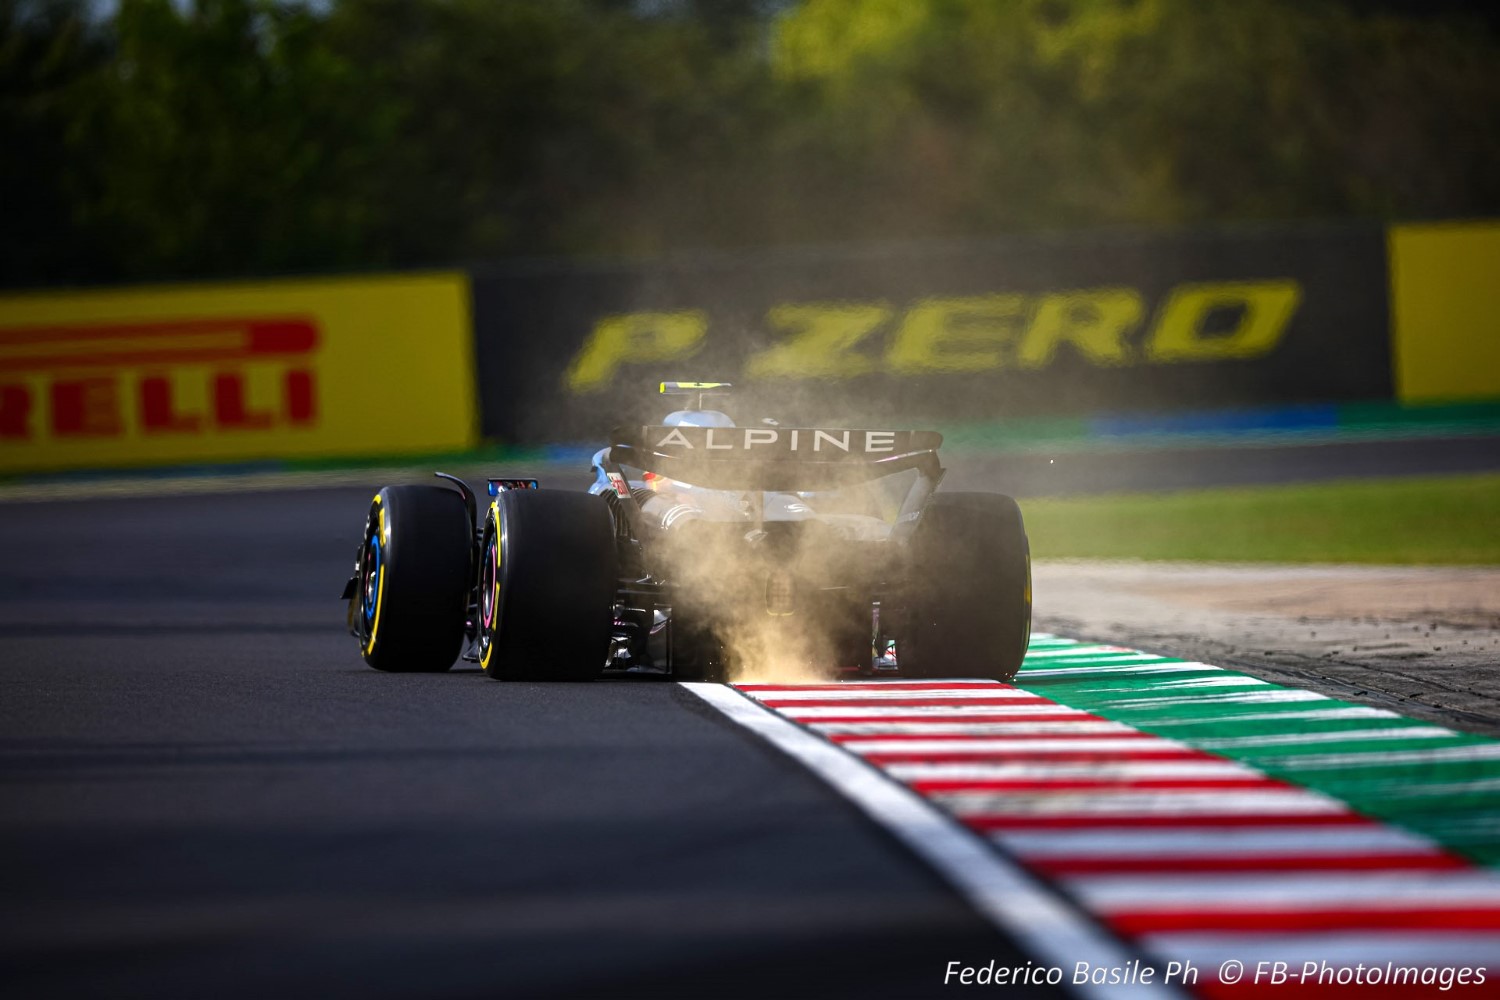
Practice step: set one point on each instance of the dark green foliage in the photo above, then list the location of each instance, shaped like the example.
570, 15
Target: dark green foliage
46, 50
246, 137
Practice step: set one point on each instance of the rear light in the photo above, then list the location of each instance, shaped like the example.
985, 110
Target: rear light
780, 593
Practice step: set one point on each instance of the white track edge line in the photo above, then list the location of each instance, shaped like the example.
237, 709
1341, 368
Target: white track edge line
1024, 908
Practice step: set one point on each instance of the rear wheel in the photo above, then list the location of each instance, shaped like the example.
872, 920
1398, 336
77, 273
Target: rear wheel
971, 579
413, 583
548, 577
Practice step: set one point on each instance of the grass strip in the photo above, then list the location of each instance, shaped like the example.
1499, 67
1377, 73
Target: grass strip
1446, 520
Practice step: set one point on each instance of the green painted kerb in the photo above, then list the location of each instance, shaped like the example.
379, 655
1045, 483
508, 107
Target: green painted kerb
1428, 778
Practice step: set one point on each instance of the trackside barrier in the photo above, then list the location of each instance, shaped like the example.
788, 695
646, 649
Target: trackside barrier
977, 331
1139, 327
232, 372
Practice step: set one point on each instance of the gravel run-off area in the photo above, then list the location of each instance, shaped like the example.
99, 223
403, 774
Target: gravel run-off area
1422, 641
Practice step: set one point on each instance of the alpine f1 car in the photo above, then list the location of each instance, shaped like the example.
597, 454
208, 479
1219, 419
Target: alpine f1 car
697, 537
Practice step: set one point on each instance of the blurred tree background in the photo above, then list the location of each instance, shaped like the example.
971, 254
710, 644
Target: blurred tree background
160, 139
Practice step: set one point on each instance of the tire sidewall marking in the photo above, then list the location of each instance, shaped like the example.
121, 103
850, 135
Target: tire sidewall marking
383, 539
494, 553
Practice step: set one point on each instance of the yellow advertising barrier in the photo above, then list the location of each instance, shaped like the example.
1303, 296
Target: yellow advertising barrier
234, 372
1445, 311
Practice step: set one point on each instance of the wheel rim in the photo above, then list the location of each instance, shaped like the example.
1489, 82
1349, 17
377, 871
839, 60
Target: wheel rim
487, 597
370, 572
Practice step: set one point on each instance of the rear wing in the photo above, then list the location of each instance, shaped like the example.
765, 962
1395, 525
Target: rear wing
774, 458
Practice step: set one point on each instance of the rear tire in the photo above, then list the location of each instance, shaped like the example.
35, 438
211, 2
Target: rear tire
413, 582
971, 598
549, 574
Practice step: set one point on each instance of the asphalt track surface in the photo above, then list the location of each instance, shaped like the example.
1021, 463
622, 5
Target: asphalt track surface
205, 791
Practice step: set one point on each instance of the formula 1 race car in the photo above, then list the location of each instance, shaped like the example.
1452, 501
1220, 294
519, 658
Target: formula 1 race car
702, 548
